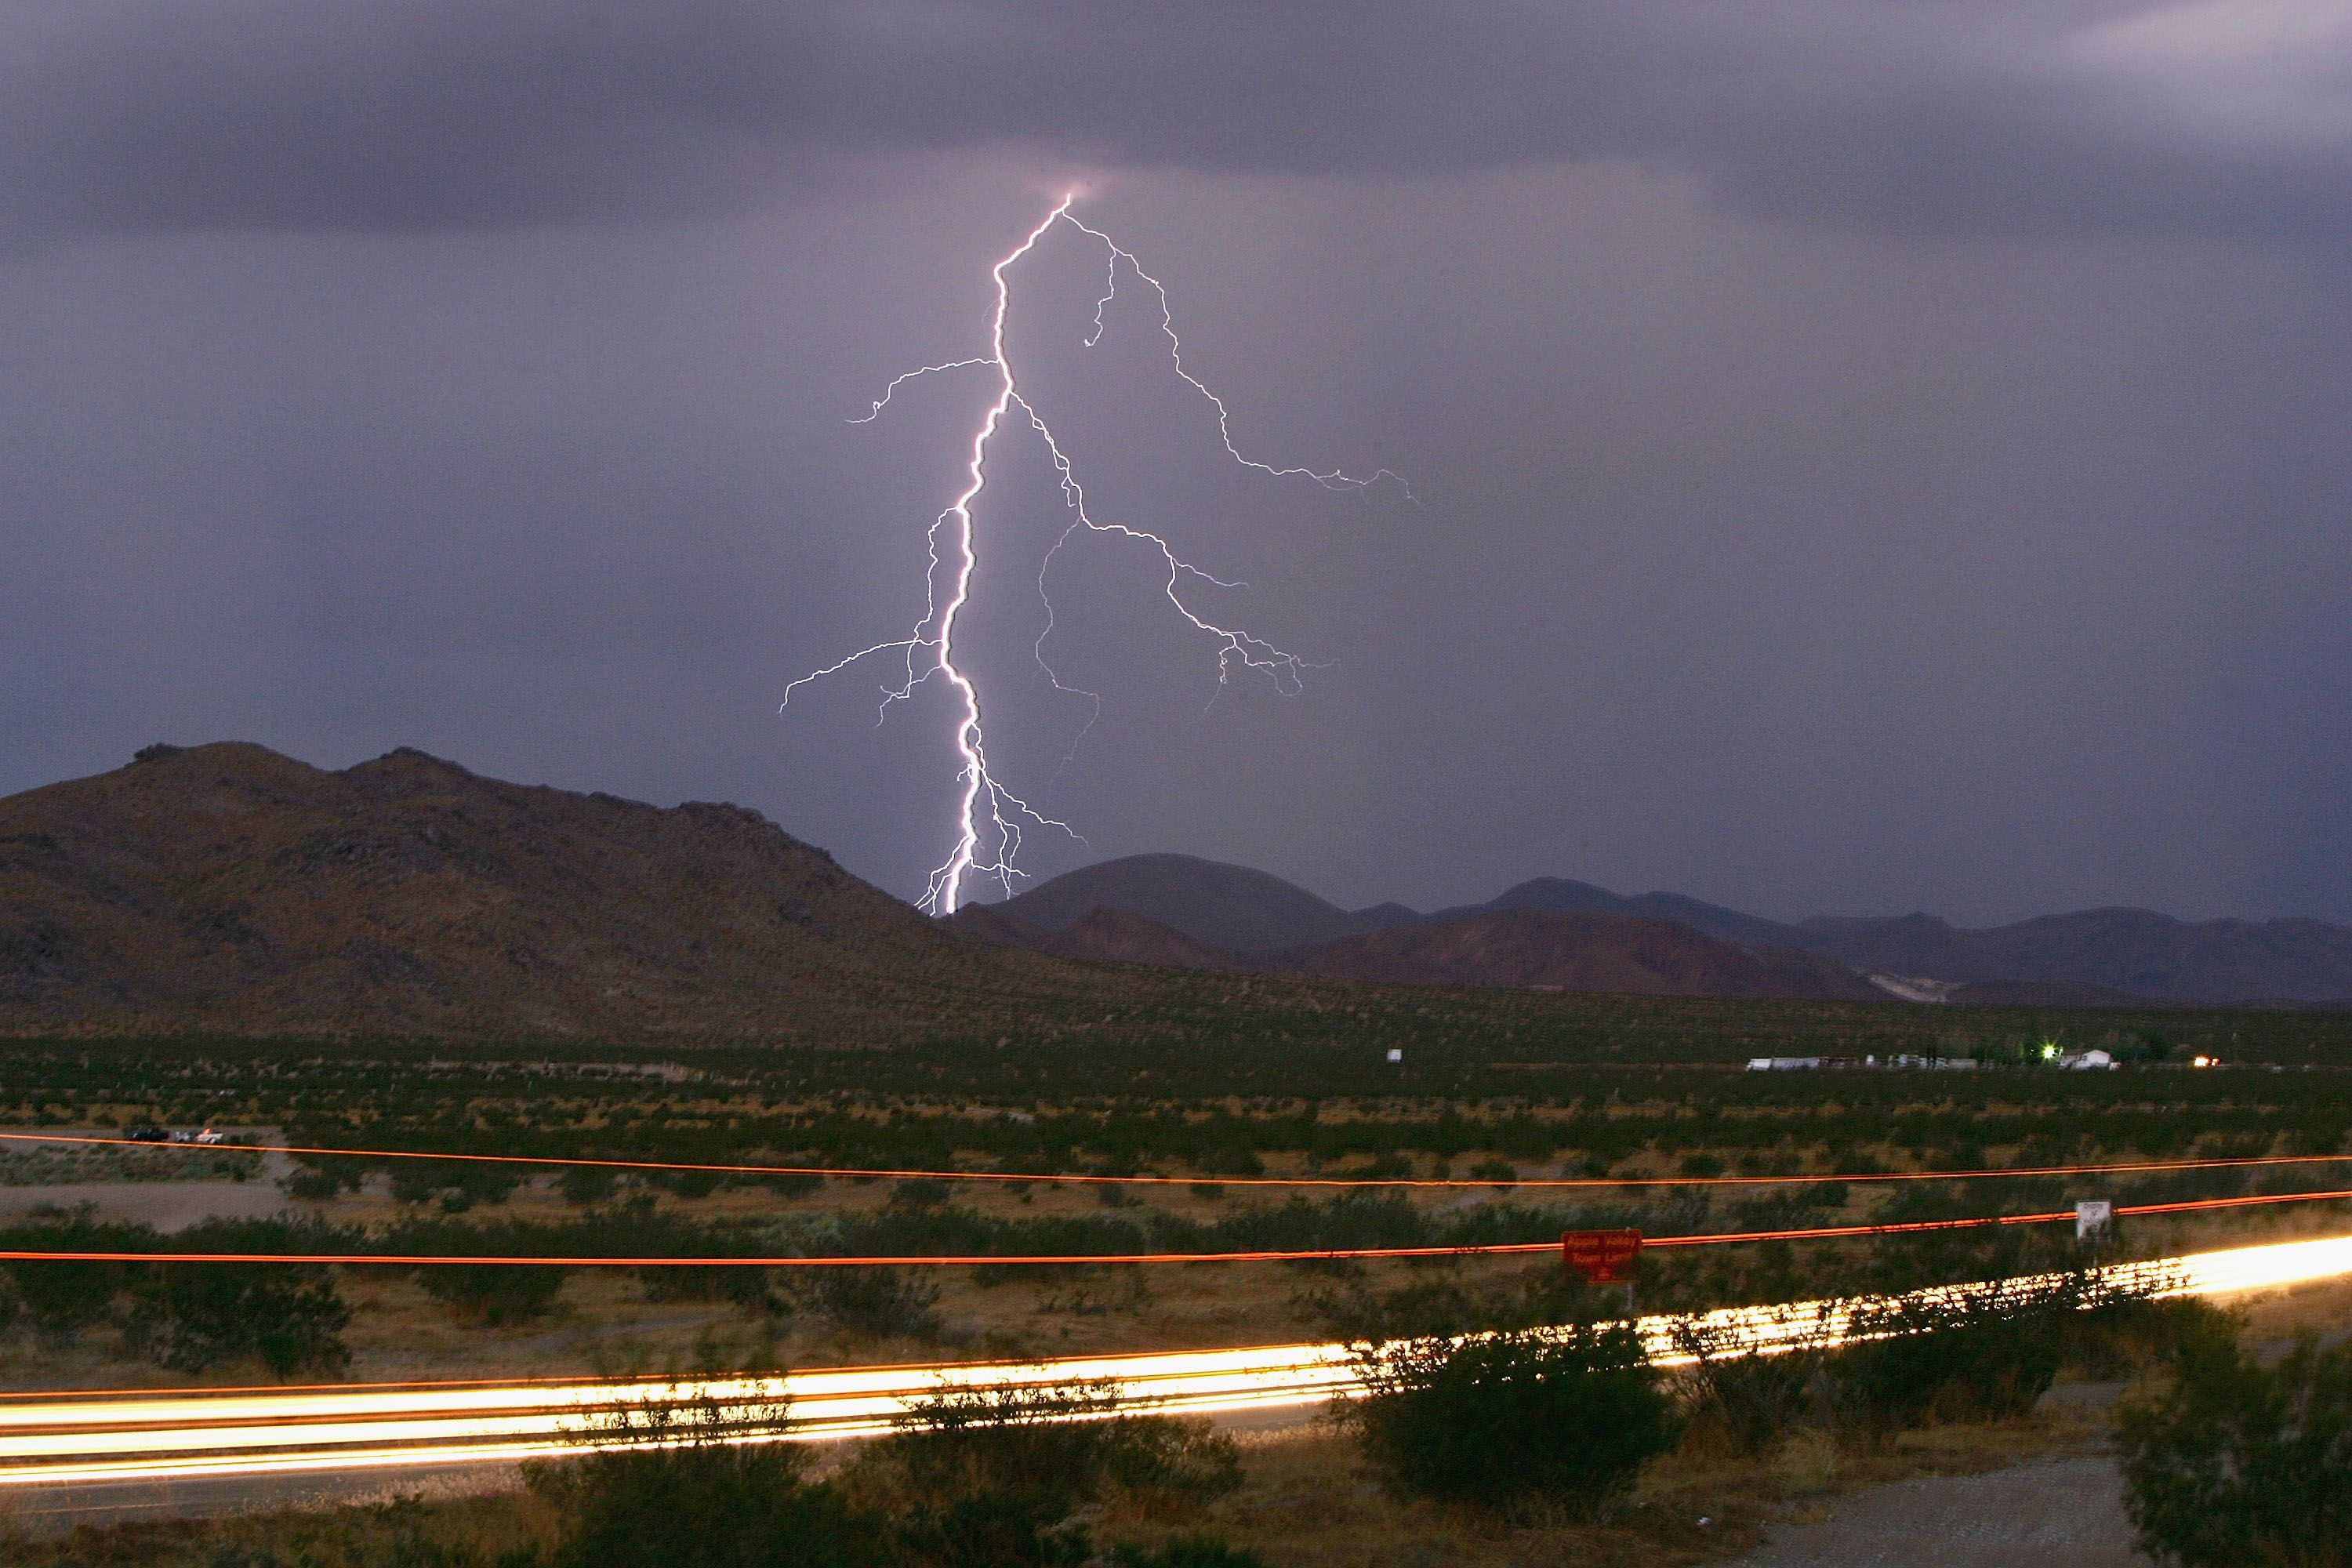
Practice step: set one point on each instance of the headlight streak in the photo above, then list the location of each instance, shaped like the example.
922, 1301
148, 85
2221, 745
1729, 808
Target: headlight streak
991, 819
155, 1436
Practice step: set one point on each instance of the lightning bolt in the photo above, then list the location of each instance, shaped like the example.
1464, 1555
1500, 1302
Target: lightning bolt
991, 819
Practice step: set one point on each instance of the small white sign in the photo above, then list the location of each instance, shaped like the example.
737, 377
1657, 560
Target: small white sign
1395, 1054
2093, 1218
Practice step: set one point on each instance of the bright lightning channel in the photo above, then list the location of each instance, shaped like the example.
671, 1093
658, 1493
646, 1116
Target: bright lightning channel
991, 819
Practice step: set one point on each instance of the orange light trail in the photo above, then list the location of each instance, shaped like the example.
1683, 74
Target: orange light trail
2123, 1168
148, 1436
1076, 1259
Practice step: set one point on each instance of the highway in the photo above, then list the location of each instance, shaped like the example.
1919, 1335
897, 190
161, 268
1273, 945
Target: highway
138, 1450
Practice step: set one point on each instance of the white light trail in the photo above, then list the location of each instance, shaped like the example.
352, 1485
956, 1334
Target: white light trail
991, 819
47, 1440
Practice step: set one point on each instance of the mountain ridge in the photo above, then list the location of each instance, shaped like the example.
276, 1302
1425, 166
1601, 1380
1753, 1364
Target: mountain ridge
228, 887
2115, 953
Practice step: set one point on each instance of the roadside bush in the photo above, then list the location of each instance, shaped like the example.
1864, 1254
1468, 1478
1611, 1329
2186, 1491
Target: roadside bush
1568, 1414
1058, 1440
1186, 1551
886, 1302
1028, 1527
317, 1177
1987, 1352
62, 1298
494, 1293
999, 1477
188, 1317
2242, 1464
457, 1187
585, 1184
746, 1288
1978, 1355
1749, 1402
704, 1506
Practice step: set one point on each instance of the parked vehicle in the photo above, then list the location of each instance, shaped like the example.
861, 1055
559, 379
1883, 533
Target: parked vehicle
148, 1132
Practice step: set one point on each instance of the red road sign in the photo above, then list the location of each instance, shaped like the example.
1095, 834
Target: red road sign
1602, 1257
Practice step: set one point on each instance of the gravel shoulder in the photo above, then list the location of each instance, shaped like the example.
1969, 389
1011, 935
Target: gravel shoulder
2056, 1513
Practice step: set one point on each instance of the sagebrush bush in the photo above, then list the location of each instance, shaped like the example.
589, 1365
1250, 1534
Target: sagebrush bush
1060, 1440
1186, 1551
189, 1317
889, 1303
1939, 1362
60, 1298
705, 1506
2237, 1463
1567, 1414
1749, 1402
1984, 1353
494, 1293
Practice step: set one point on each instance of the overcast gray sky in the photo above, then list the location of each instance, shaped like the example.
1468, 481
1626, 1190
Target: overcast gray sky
1871, 455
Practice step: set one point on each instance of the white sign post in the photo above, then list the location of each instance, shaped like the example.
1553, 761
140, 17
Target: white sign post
2094, 1218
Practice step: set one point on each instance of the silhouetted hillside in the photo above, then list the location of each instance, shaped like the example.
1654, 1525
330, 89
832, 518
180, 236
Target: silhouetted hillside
2097, 957
228, 886
1564, 897
1115, 936
1577, 953
2136, 952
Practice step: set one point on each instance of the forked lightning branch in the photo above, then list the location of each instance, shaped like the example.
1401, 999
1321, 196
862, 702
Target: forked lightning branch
991, 819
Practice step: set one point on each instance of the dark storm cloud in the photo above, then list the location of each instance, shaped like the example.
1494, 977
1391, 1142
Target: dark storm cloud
2059, 115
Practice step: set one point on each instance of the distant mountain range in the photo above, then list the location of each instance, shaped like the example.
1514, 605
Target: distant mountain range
1537, 949
2095, 957
227, 888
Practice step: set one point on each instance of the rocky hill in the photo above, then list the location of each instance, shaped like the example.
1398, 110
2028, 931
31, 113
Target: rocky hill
226, 887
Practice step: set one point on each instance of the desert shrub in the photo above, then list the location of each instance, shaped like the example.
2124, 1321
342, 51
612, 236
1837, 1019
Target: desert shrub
1972, 1357
317, 1177
747, 1288
311, 1186
998, 1477
914, 1195
1749, 1402
995, 1528
457, 1187
60, 1297
494, 1293
2242, 1464
1983, 1352
889, 1303
188, 1317
1186, 1551
1059, 1439
2133, 1332
691, 1184
1563, 1414
1232, 1159
585, 1184
703, 1505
